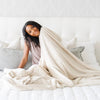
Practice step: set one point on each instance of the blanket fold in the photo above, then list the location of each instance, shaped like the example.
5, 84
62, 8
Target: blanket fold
57, 68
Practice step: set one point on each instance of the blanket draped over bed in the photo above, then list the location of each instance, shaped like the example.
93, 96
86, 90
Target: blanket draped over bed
57, 68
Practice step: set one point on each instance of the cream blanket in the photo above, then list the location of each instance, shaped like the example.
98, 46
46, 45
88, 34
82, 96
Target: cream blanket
57, 68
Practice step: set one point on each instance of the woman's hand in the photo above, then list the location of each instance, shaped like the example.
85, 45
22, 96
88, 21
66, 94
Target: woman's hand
20, 67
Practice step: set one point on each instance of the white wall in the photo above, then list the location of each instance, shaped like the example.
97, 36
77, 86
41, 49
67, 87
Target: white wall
19, 8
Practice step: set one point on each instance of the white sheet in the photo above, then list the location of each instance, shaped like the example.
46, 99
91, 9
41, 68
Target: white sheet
67, 93
81, 93
74, 93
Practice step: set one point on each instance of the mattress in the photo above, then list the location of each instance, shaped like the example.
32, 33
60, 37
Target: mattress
67, 93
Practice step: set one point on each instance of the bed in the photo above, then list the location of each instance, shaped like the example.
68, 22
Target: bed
85, 29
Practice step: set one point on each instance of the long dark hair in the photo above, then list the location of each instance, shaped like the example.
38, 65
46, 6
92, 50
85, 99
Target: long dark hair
28, 37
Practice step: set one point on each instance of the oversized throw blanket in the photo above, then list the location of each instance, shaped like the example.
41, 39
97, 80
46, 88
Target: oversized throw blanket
57, 68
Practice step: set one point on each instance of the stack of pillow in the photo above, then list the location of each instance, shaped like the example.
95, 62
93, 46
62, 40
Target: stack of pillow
11, 54
87, 54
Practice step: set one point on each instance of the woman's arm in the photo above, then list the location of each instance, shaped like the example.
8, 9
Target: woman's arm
25, 56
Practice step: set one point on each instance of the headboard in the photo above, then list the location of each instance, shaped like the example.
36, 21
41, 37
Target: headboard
84, 28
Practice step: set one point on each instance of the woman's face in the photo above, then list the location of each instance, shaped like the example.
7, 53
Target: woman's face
33, 31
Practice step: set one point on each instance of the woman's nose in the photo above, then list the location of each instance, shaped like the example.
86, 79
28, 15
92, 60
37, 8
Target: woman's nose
32, 31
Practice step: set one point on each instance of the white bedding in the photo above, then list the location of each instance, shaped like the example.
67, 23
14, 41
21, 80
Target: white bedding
67, 93
57, 68
74, 93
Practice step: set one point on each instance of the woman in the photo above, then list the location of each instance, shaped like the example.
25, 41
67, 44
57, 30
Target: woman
31, 31
57, 67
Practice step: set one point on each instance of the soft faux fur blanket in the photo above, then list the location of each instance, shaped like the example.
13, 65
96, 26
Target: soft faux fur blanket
57, 67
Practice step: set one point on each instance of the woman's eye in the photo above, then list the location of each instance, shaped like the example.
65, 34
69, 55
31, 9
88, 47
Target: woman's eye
32, 27
29, 31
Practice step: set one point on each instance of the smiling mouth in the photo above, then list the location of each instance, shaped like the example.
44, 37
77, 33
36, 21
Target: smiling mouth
36, 32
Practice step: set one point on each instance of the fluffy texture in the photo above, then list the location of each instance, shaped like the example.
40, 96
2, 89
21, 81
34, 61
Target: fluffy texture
57, 67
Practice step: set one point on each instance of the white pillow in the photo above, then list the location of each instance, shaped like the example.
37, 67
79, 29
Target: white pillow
15, 44
88, 54
69, 44
3, 44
